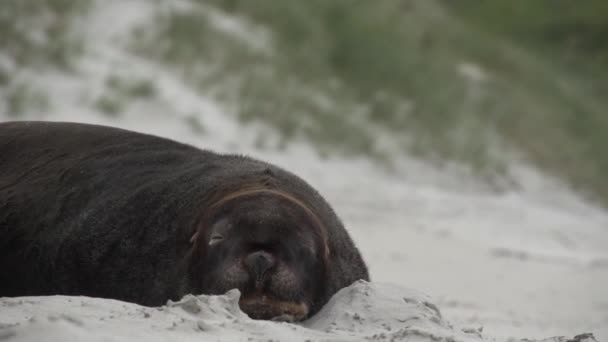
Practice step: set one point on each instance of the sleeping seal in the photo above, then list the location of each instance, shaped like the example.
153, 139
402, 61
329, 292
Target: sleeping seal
104, 212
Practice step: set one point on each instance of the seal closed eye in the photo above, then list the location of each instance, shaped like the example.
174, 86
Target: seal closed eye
99, 211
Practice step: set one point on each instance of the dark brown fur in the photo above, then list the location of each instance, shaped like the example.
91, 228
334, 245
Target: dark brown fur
99, 211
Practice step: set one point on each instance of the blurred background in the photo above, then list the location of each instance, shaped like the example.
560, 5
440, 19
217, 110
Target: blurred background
462, 142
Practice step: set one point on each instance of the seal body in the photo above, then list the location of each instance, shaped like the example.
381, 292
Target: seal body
104, 212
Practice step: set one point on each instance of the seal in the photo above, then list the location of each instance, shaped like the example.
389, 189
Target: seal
104, 212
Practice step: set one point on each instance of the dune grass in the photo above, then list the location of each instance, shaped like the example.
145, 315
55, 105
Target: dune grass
339, 72
35, 34
39, 32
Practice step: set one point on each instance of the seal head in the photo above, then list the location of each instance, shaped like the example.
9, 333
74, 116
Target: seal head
269, 245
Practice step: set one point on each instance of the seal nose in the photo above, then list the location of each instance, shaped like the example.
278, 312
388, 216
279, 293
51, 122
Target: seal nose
259, 263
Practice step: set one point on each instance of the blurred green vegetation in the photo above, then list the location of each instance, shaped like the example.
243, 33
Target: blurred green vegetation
39, 31
447, 80
575, 31
119, 92
463, 82
36, 34
569, 37
259, 84
21, 97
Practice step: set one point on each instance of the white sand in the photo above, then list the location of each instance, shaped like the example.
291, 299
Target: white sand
362, 311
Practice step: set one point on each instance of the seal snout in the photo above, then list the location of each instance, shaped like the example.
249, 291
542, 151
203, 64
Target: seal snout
258, 264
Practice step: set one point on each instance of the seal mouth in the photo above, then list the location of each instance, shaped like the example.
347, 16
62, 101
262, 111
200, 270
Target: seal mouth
260, 306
